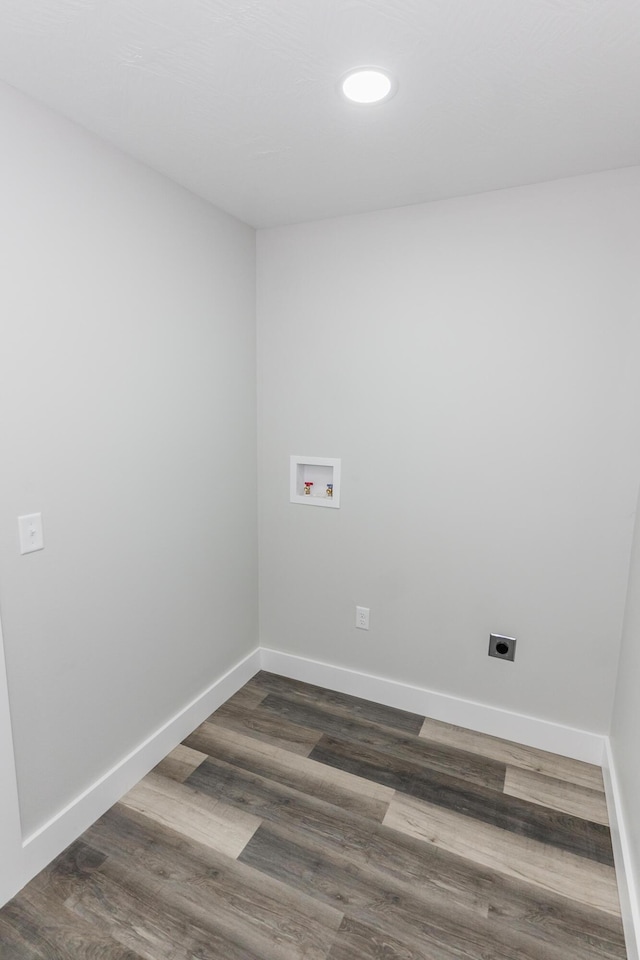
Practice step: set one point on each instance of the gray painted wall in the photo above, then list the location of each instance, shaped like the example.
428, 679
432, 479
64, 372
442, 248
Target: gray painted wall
471, 363
127, 391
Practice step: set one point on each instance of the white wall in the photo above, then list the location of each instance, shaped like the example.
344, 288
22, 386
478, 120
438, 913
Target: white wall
127, 391
470, 363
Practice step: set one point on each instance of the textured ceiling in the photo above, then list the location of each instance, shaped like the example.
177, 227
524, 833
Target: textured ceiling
237, 99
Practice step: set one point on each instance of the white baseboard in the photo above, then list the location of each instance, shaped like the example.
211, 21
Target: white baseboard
627, 885
42, 846
530, 731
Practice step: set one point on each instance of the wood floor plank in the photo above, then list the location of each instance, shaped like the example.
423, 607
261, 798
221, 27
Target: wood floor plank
157, 925
216, 894
270, 729
357, 941
133, 920
358, 885
341, 788
396, 909
247, 697
349, 706
345, 833
268, 799
157, 930
180, 763
444, 759
193, 814
576, 878
557, 794
56, 931
469, 800
58, 934
18, 937
581, 931
507, 752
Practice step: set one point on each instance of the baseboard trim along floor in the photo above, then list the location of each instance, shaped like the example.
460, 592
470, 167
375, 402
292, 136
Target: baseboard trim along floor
53, 837
529, 731
627, 886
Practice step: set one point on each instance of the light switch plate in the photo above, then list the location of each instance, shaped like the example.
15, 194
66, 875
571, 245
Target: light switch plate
30, 528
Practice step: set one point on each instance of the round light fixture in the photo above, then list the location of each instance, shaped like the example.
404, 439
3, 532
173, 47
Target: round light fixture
367, 85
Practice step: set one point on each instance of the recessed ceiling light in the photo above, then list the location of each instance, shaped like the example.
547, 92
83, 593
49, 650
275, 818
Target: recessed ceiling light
368, 85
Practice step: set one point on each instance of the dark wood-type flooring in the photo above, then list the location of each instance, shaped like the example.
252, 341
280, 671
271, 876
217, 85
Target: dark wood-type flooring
301, 824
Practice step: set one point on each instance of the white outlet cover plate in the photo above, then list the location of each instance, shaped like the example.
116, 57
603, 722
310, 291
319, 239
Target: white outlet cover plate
362, 618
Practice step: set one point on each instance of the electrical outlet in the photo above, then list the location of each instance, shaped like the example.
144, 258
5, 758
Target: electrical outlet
504, 648
362, 618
